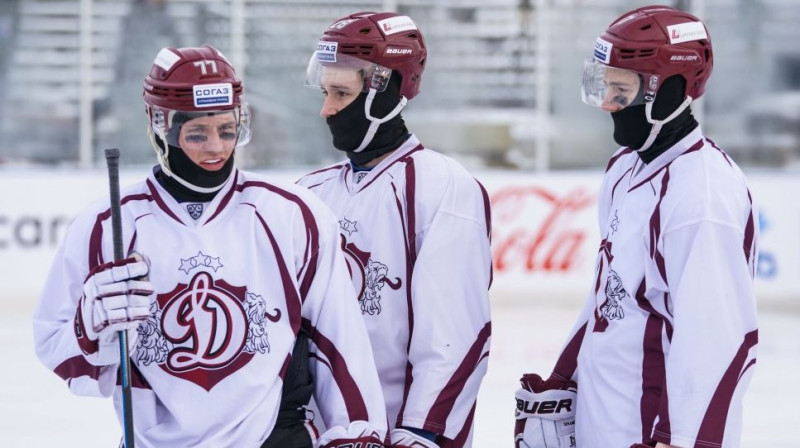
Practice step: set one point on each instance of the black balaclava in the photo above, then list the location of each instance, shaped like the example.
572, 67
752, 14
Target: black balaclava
350, 125
631, 127
183, 167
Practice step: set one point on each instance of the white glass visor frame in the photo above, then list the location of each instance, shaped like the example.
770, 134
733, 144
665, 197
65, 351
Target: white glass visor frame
611, 88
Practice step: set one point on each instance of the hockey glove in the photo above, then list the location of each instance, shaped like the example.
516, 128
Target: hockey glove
358, 434
116, 297
545, 413
403, 438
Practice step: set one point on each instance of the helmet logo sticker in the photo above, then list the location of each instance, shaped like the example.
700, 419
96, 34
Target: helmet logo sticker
394, 25
602, 50
166, 58
685, 32
326, 51
210, 95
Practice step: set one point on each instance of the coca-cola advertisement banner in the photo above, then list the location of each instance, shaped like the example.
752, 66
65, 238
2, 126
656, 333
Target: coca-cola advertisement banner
544, 237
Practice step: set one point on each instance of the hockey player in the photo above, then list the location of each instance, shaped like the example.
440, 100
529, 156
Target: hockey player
665, 346
414, 226
235, 268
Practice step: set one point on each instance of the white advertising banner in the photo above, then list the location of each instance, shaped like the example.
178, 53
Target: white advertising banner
544, 237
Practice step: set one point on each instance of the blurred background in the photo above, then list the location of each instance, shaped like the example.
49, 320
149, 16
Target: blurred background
501, 94
501, 88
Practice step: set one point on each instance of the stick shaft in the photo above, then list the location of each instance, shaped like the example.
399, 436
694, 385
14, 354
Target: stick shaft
112, 161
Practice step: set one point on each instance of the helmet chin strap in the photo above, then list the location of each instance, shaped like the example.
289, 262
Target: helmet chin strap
376, 122
162, 156
658, 124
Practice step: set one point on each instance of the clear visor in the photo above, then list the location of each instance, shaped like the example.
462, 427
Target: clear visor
179, 128
341, 72
611, 88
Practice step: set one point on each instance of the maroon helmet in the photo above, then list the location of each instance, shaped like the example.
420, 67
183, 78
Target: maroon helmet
373, 42
655, 42
196, 82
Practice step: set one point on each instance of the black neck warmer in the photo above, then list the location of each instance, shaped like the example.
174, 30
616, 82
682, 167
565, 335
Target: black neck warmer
350, 125
182, 166
631, 128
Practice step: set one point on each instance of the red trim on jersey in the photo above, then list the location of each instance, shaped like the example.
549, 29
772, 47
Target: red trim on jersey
655, 228
436, 420
75, 367
616, 184
354, 401
293, 301
712, 430
285, 366
225, 200
568, 360
96, 237
309, 268
614, 159
405, 159
723, 153
654, 371
750, 234
697, 146
487, 213
461, 438
160, 201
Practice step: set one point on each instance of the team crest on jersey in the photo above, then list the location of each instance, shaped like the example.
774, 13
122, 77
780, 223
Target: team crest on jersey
369, 276
611, 309
205, 330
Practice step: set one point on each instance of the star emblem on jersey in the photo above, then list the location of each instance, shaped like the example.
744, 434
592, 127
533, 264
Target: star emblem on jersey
348, 226
195, 210
205, 331
200, 260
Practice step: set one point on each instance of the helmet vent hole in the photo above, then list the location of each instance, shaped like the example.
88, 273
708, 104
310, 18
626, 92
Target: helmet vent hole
646, 27
365, 30
412, 36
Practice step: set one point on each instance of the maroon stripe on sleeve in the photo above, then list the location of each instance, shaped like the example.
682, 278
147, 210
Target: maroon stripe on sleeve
655, 228
461, 438
411, 206
75, 367
714, 145
322, 170
616, 184
749, 232
487, 213
444, 403
405, 158
289, 291
654, 371
615, 158
354, 401
285, 366
96, 237
309, 268
712, 430
568, 360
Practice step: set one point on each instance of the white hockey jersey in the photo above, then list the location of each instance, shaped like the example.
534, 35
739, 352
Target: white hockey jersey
234, 284
415, 230
665, 347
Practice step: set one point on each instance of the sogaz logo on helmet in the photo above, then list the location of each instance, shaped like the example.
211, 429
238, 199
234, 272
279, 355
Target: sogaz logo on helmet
602, 50
326, 51
210, 95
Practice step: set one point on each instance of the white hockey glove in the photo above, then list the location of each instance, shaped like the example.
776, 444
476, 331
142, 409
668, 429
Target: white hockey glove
116, 297
359, 434
545, 413
403, 438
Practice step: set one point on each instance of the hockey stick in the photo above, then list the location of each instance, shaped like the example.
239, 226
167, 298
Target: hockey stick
112, 161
